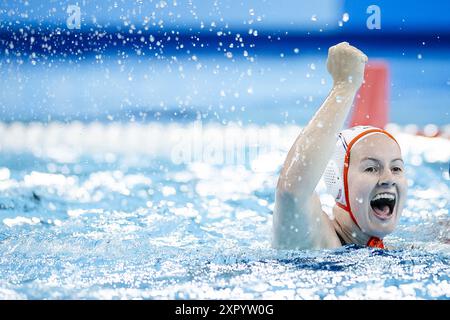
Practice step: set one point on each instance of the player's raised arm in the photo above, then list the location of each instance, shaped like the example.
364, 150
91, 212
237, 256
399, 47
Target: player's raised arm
296, 205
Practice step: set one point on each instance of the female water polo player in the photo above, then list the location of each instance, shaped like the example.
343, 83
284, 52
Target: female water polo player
365, 173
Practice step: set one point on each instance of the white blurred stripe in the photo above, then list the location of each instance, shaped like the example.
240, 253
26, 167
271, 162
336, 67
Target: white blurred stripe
66, 142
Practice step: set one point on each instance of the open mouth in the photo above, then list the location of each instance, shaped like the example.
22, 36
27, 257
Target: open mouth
383, 205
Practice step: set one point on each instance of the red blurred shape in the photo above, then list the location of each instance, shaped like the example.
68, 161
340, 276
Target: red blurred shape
372, 100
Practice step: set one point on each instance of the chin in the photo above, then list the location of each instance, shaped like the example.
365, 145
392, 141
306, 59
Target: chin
381, 232
382, 227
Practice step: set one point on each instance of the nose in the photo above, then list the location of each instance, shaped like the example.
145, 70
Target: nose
386, 179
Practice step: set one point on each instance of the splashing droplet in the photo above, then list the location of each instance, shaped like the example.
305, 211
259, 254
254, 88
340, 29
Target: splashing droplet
345, 17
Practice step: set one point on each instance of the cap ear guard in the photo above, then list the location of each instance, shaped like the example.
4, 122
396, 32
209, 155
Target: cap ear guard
331, 178
333, 174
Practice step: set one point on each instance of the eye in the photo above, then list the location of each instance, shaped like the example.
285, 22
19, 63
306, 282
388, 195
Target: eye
397, 169
370, 169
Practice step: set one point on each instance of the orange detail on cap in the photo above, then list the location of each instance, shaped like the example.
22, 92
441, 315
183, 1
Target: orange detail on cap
347, 164
375, 242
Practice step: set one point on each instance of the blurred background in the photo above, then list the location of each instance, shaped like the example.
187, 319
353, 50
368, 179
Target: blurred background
241, 61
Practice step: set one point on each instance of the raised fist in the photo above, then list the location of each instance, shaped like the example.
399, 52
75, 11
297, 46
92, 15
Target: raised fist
346, 65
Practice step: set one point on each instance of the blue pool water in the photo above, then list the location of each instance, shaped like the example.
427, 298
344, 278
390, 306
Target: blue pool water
110, 211
124, 175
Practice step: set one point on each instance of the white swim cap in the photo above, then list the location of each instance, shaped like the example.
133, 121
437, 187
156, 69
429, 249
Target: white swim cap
335, 175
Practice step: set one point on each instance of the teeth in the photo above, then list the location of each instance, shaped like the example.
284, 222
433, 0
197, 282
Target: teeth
389, 196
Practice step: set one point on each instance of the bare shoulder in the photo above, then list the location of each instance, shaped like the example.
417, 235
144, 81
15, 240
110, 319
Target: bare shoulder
329, 238
301, 225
